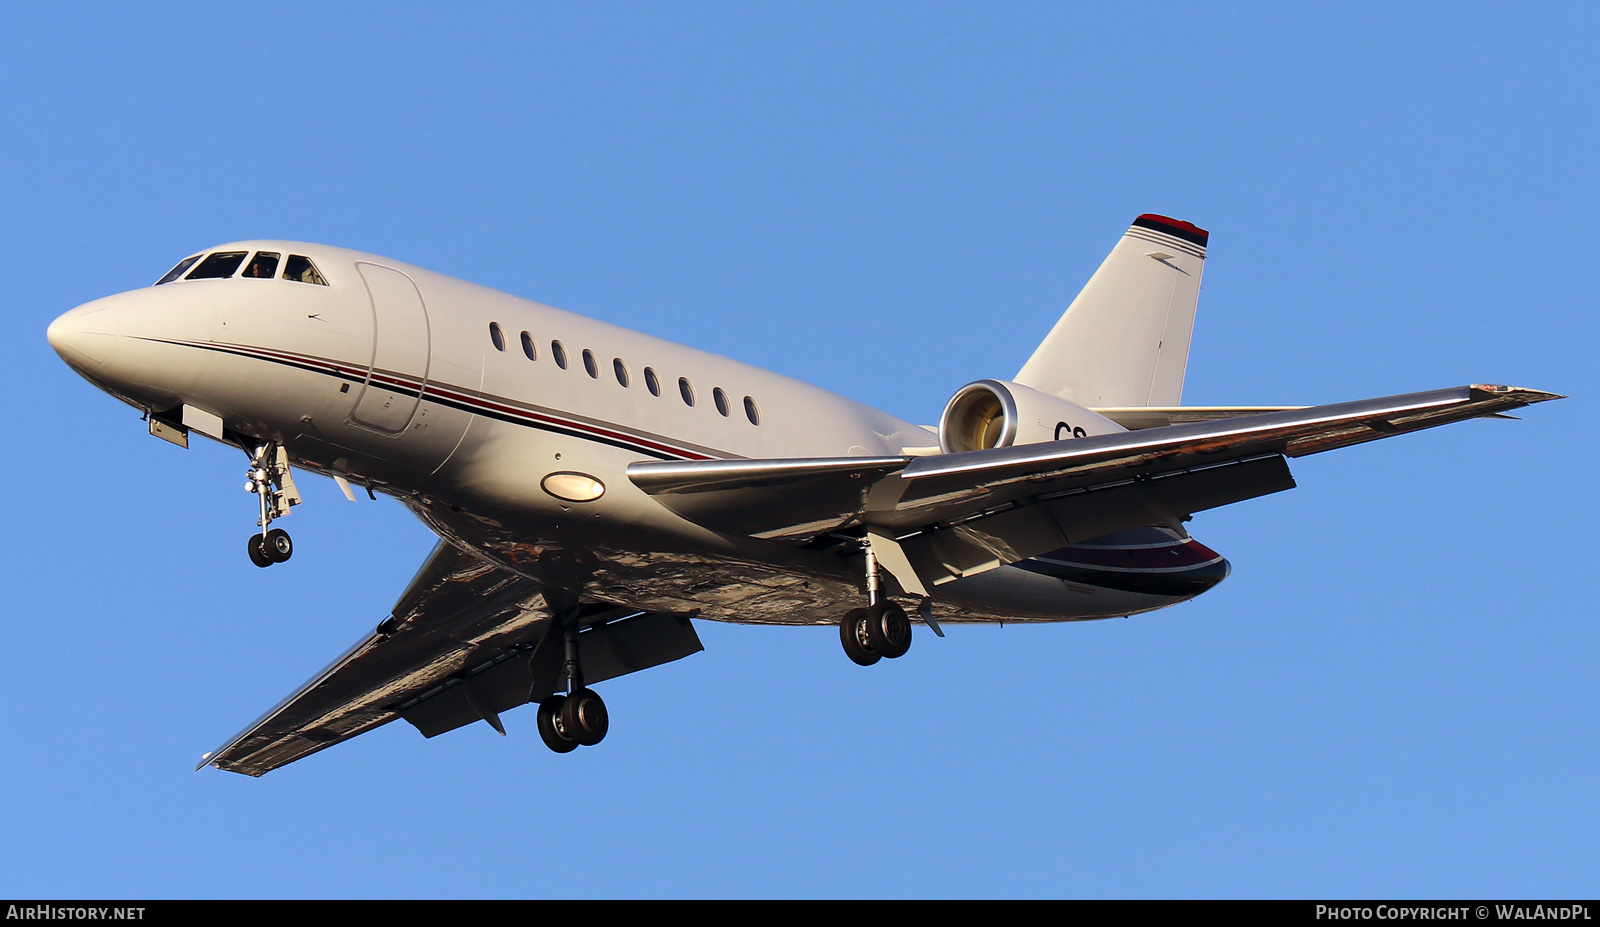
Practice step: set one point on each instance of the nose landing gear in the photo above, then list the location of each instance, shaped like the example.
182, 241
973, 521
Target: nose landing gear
269, 478
272, 547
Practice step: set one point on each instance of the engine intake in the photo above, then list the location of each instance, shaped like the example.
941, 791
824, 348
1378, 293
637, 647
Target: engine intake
999, 413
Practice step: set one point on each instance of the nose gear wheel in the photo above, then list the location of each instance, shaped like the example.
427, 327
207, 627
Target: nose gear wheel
269, 478
278, 545
258, 551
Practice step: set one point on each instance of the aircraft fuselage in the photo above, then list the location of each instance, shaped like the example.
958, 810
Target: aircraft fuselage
462, 402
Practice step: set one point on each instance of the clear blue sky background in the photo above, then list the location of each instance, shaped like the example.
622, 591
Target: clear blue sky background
1394, 695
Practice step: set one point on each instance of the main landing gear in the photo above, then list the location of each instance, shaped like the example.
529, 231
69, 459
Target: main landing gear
577, 719
872, 634
880, 631
268, 477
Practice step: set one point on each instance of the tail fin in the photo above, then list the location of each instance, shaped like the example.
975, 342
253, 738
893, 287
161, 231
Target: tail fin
1125, 340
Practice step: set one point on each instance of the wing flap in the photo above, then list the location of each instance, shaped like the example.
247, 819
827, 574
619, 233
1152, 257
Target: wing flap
607, 650
765, 498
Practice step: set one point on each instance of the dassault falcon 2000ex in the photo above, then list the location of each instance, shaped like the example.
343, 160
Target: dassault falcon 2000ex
595, 489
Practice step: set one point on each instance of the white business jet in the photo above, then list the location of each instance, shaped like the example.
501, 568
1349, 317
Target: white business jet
594, 488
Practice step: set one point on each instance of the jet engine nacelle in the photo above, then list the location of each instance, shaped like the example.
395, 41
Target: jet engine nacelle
999, 413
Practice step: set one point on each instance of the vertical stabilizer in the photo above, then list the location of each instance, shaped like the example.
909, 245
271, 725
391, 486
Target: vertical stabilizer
1124, 341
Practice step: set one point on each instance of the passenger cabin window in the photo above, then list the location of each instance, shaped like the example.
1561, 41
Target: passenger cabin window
497, 336
559, 353
527, 347
651, 382
721, 399
218, 266
300, 269
177, 272
751, 412
620, 369
686, 390
590, 365
263, 265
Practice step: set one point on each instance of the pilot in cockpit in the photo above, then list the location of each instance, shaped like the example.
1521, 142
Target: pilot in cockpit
265, 264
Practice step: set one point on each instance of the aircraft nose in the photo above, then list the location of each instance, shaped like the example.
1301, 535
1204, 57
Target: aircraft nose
75, 337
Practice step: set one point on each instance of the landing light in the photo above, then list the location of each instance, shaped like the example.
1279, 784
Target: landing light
573, 487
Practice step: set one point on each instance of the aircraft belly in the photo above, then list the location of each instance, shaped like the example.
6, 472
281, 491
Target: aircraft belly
759, 582
654, 570
1013, 594
1137, 570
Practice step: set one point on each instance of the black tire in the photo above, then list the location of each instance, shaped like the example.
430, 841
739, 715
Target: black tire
584, 717
278, 545
888, 630
852, 634
258, 552
550, 726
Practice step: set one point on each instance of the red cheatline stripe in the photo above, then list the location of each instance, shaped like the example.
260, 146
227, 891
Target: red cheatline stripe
464, 399
1182, 554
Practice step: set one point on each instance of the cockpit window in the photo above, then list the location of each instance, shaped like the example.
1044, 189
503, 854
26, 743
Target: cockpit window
218, 265
299, 267
264, 264
177, 272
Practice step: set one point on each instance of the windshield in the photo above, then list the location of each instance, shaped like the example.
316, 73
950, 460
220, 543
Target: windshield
177, 272
218, 265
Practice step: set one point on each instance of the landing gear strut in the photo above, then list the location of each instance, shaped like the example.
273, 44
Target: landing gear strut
879, 631
577, 719
269, 478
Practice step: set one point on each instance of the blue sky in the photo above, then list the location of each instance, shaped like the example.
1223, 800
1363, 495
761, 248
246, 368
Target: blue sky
1393, 695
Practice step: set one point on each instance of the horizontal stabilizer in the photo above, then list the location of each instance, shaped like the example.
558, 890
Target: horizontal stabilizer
1134, 418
